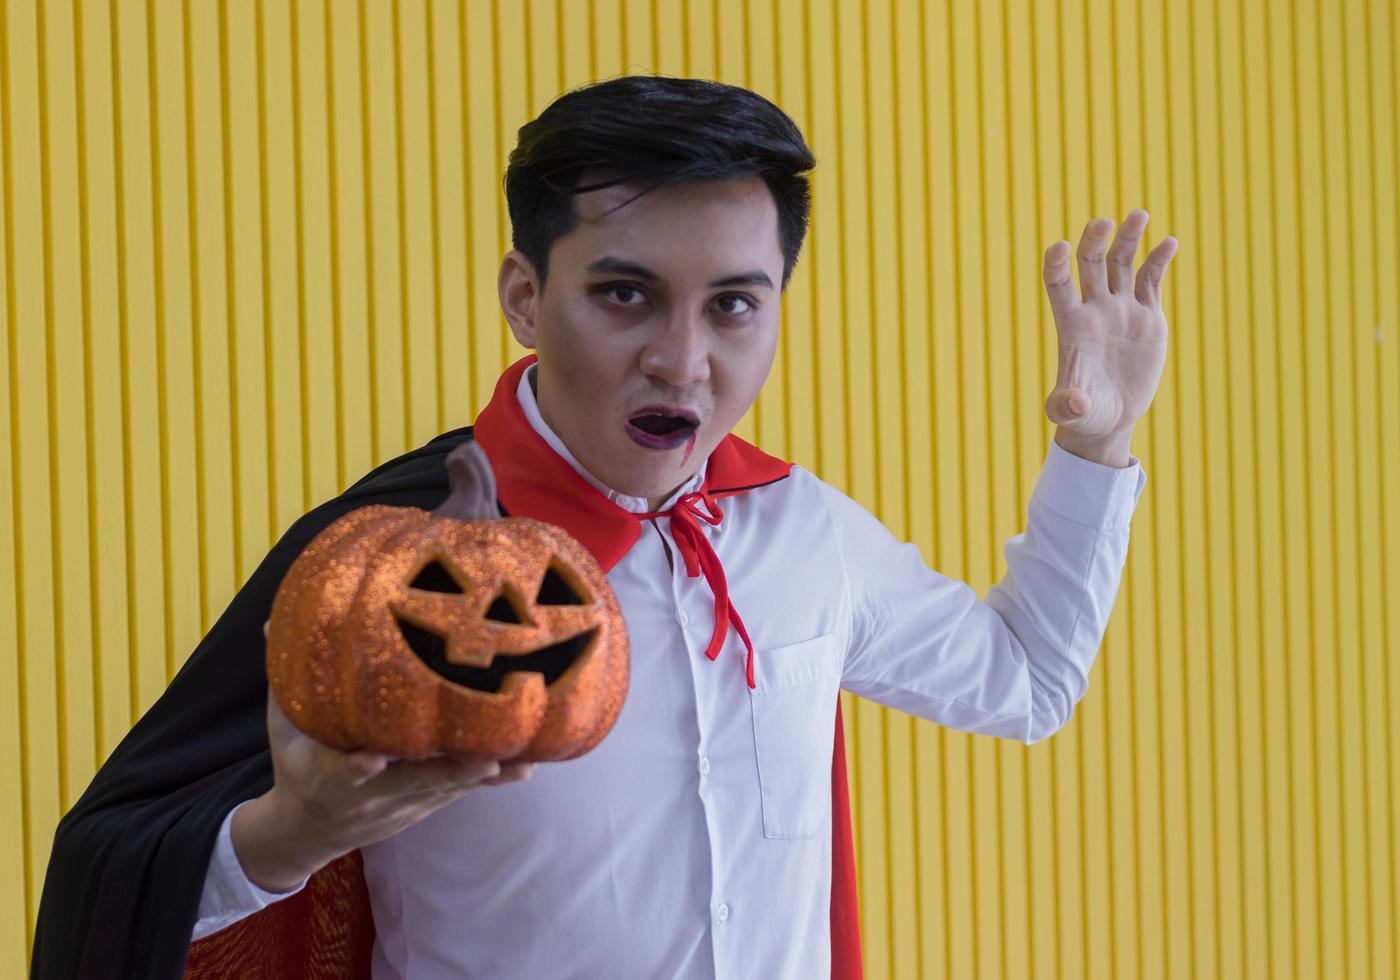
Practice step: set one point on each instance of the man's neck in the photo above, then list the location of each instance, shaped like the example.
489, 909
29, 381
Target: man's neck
654, 503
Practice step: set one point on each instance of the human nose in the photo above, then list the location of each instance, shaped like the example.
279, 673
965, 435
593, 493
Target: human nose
678, 353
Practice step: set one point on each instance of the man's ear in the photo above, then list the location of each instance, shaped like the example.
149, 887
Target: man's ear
518, 286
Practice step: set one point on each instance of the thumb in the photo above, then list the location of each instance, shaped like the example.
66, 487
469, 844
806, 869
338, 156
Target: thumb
1066, 406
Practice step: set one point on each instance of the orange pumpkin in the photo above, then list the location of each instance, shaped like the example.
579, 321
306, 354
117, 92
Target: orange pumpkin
413, 634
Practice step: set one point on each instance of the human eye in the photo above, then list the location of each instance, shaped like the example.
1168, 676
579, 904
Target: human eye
622, 293
736, 304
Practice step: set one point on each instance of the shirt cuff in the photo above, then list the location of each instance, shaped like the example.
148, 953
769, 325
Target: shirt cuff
227, 890
1089, 493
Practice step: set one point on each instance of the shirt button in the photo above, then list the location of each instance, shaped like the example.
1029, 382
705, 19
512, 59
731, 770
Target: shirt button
722, 913
704, 766
683, 617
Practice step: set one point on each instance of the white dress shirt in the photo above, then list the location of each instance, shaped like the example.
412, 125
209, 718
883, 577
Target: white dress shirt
695, 840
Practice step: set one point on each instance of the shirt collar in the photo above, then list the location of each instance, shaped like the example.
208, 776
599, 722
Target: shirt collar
525, 394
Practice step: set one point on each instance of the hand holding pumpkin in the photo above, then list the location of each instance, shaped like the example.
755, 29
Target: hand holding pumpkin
448, 641
325, 803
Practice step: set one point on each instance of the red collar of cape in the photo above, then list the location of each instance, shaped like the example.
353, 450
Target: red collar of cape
532, 480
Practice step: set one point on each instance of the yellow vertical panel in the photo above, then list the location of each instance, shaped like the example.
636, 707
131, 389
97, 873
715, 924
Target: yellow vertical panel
1365, 812
1381, 50
700, 38
279, 247
980, 838
254, 401
484, 196
1330, 492
1238, 619
1083, 752
1341, 325
856, 386
169, 199
1028, 947
638, 38
1178, 451
544, 40
760, 73
1223, 796
1260, 720
733, 66
668, 34
795, 359
1029, 914
350, 230
912, 786
315, 250
419, 326
510, 114
827, 236
607, 39
378, 64
28, 327
143, 397
1189, 501
575, 47
107, 495
1289, 122
1366, 705
455, 280
733, 63
1211, 419
1002, 777
210, 323
68, 475
1133, 802
1055, 883
1318, 353
14, 933
890, 732
945, 869
825, 257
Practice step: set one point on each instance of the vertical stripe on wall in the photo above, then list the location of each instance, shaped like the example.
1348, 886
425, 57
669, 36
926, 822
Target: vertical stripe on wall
249, 252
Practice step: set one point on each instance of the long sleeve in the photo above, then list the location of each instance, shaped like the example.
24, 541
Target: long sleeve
228, 894
1016, 664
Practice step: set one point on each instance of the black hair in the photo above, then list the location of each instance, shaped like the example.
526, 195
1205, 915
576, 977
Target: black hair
652, 131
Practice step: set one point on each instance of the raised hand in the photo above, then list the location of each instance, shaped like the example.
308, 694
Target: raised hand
1112, 341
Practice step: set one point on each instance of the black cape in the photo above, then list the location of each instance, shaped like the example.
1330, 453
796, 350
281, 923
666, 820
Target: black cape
124, 880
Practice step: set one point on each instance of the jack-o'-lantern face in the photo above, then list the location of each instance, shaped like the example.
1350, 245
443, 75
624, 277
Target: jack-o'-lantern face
413, 633
508, 609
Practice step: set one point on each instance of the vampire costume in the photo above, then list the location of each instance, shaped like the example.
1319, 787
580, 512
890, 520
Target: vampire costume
129, 860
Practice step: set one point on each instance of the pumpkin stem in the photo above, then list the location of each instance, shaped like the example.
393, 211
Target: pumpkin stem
472, 496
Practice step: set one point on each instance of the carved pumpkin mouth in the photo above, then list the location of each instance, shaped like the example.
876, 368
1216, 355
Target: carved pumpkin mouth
550, 662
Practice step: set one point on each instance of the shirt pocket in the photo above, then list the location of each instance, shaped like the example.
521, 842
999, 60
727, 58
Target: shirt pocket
794, 716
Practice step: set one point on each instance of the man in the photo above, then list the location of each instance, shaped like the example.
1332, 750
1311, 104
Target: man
656, 222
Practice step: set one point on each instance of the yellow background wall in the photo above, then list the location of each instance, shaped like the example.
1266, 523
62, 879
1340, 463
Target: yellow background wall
250, 248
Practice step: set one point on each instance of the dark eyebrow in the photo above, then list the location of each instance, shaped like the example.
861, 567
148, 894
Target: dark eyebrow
622, 267
755, 278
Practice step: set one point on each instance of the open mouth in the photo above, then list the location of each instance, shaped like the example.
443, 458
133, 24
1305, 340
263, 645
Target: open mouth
550, 662
661, 428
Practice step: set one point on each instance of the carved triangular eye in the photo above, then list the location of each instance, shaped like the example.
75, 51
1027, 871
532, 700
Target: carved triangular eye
435, 578
502, 610
555, 590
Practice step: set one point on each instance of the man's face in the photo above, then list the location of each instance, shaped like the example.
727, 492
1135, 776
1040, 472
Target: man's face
656, 328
